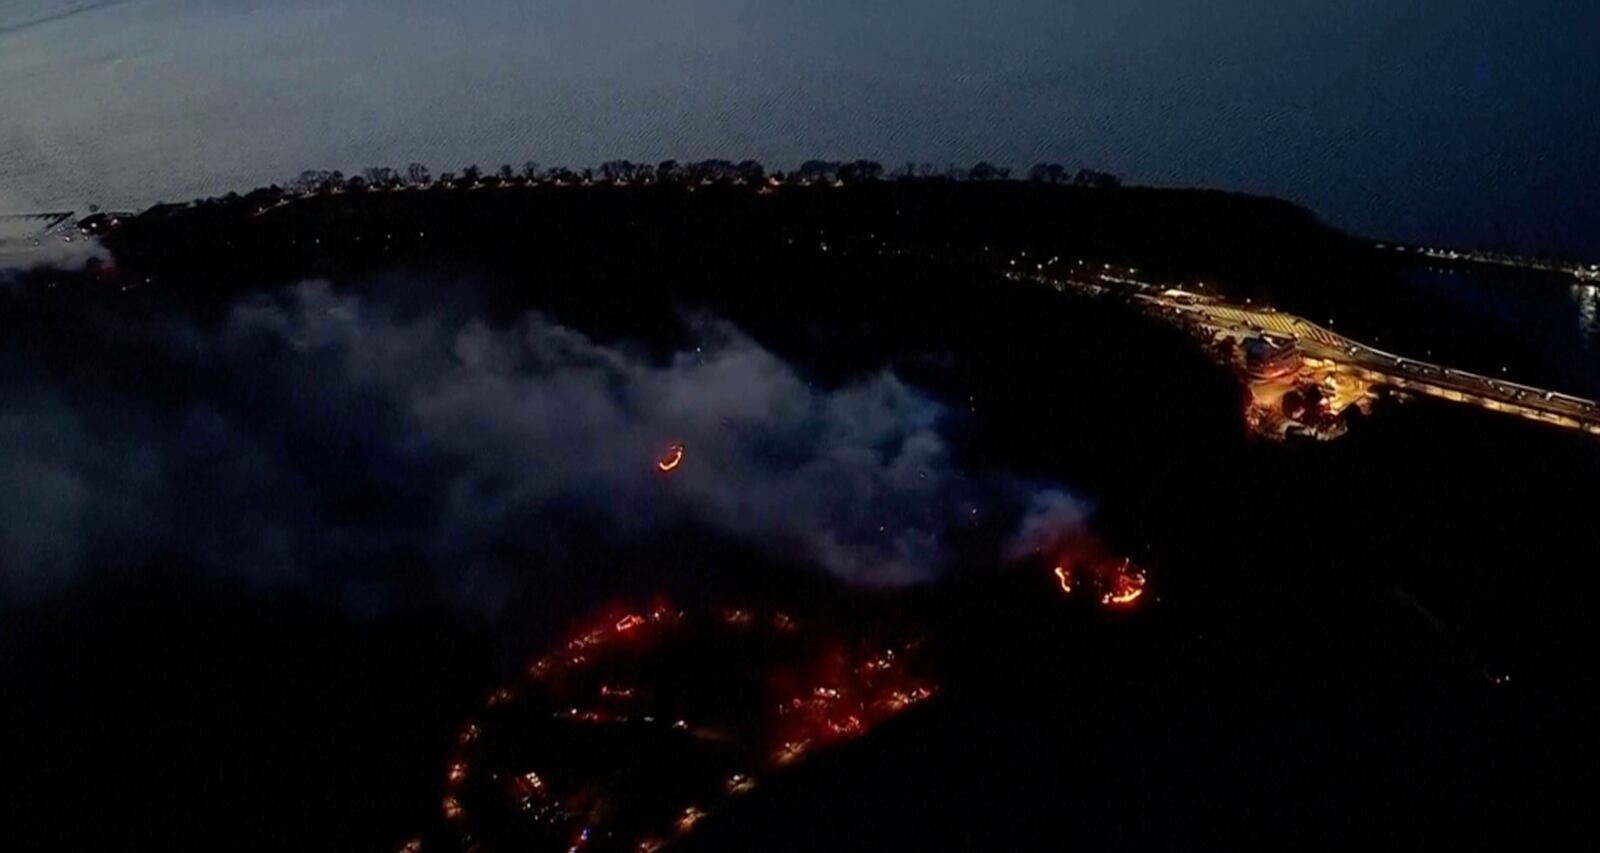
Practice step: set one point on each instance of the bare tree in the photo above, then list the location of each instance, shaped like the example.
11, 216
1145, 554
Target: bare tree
986, 171
707, 171
618, 170
819, 170
1097, 180
860, 170
751, 171
381, 176
1048, 173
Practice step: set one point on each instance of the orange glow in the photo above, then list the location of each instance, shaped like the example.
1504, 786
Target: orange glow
825, 695
452, 808
691, 816
790, 751
1125, 596
1114, 582
1127, 585
672, 460
850, 725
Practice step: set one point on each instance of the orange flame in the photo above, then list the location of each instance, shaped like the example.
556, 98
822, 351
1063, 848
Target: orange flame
1123, 596
1126, 586
1115, 583
854, 690
672, 460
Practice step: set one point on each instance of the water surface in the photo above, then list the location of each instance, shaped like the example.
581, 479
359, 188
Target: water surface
1457, 121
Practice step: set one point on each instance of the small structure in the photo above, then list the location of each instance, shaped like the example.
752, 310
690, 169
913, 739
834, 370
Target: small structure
1264, 359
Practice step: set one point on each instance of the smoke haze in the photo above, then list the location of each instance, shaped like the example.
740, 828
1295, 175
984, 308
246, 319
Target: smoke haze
348, 443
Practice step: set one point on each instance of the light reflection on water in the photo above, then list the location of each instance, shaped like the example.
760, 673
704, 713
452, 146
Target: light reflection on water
1587, 298
1555, 321
1438, 105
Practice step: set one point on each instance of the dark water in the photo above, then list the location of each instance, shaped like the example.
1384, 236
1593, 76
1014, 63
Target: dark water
1445, 121
1555, 319
1459, 121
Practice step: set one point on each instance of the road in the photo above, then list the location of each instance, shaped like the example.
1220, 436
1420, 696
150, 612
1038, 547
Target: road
1582, 272
1211, 314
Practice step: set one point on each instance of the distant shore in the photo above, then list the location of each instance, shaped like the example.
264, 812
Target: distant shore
36, 227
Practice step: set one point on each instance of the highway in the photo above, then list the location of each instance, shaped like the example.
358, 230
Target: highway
1582, 272
1211, 315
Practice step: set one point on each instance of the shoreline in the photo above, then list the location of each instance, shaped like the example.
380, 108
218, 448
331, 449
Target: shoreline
752, 173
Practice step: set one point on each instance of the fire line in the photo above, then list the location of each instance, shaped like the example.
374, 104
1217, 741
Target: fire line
672, 460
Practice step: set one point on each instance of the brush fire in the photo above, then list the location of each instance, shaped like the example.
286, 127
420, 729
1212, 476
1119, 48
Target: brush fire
1116, 583
703, 705
673, 458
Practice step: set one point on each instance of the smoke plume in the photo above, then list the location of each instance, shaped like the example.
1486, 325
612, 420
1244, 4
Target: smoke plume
344, 441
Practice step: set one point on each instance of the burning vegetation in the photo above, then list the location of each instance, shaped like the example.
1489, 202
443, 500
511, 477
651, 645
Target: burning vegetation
671, 460
635, 731
1116, 583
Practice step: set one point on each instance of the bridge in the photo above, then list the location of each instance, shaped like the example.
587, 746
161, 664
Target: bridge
1216, 316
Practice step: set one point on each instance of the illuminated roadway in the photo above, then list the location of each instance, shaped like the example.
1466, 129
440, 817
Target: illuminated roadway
1313, 341
1582, 272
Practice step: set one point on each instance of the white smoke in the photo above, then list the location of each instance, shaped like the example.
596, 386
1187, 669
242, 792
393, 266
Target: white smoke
315, 435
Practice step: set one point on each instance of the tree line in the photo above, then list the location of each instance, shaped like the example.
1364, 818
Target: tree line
622, 172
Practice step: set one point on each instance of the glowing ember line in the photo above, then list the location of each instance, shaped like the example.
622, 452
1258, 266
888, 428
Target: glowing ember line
1126, 586
1125, 596
853, 691
672, 460
1065, 579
